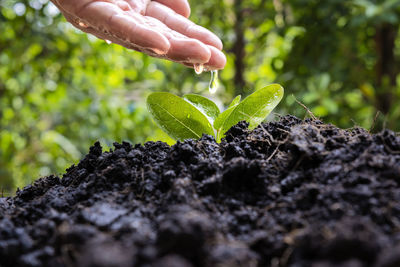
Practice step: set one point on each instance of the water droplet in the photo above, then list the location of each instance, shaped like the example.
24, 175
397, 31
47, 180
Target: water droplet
82, 24
198, 68
188, 116
108, 41
213, 82
157, 51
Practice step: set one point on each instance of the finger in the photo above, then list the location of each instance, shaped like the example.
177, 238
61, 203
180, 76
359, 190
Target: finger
188, 50
107, 37
111, 20
71, 6
181, 7
217, 60
137, 5
182, 47
83, 26
182, 25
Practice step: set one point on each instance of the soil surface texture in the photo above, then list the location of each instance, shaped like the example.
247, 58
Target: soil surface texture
289, 193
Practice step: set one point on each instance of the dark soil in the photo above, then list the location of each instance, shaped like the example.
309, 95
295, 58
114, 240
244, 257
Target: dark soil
290, 193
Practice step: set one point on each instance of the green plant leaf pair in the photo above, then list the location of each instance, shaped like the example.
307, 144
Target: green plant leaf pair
194, 115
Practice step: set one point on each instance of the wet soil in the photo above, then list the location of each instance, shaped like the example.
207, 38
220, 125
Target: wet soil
290, 193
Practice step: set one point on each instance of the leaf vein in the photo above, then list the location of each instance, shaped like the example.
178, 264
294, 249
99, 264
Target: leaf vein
198, 136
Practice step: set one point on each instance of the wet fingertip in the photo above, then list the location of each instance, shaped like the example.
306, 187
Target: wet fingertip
189, 50
159, 44
162, 49
216, 42
188, 10
220, 45
204, 56
217, 60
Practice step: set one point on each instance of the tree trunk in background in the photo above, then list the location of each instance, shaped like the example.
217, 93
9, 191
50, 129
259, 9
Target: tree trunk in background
385, 66
239, 48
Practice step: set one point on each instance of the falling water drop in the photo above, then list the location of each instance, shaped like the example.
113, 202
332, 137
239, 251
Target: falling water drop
198, 68
108, 41
213, 82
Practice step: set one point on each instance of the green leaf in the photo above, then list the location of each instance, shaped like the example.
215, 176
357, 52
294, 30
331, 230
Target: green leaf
235, 101
253, 109
222, 117
219, 121
178, 118
205, 105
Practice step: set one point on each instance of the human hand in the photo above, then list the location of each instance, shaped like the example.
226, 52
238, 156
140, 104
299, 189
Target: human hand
159, 28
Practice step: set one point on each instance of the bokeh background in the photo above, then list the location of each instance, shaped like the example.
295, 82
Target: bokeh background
61, 90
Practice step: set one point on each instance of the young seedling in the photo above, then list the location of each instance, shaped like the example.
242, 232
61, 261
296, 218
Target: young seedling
194, 115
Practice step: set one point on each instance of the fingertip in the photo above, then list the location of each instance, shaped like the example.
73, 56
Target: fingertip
217, 60
184, 9
189, 51
162, 47
187, 9
216, 42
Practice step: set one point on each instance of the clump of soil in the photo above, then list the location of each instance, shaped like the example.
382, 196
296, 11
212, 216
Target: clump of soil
289, 193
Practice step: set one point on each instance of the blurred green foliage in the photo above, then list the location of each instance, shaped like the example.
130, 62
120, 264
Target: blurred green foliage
61, 90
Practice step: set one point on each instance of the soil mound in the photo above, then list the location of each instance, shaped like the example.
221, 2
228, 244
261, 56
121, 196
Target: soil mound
289, 193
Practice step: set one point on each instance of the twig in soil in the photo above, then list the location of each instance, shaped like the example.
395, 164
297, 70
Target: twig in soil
306, 108
268, 134
283, 130
200, 145
212, 144
142, 193
355, 124
385, 122
263, 140
298, 162
286, 256
259, 140
374, 121
273, 153
277, 115
277, 148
